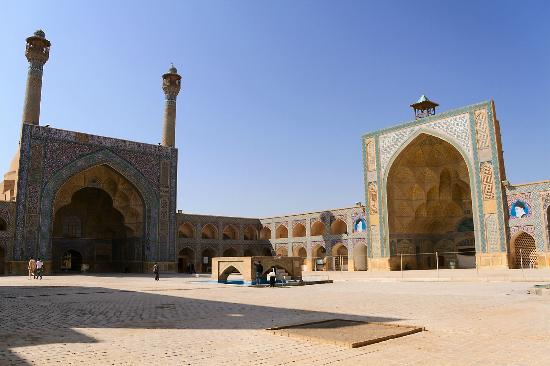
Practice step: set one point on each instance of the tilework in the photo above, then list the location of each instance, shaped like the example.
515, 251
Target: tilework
482, 129
538, 196
487, 180
48, 157
455, 128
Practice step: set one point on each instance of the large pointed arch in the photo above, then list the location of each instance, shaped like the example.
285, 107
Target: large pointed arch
122, 167
436, 196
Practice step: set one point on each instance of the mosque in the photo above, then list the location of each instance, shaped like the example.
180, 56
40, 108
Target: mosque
435, 190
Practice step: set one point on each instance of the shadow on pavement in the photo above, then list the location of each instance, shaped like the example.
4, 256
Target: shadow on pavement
33, 316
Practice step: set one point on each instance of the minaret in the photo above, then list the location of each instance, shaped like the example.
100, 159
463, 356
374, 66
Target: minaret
37, 53
171, 84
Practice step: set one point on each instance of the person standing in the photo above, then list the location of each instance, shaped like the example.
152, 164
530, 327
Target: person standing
39, 269
156, 271
31, 267
272, 277
259, 272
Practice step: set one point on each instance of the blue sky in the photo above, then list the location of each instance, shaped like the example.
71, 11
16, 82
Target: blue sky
276, 95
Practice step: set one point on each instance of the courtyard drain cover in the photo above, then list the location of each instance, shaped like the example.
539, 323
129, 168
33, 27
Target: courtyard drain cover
347, 333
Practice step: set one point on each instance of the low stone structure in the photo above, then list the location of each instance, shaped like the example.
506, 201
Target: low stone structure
222, 267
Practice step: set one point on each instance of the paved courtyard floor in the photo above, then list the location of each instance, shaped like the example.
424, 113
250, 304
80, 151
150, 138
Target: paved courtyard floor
115, 320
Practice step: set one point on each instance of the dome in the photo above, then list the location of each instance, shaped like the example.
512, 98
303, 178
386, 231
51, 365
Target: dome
172, 69
40, 33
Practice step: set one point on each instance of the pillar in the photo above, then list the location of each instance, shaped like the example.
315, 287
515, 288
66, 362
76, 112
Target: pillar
171, 84
37, 52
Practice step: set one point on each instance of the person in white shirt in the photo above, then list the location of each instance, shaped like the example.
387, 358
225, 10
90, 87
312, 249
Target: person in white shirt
39, 269
272, 277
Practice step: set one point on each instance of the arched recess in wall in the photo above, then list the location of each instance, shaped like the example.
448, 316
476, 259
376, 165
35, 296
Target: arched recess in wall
340, 257
186, 231
250, 233
206, 260
338, 227
299, 231
282, 251
265, 233
3, 225
300, 251
281, 232
229, 252
186, 260
317, 228
524, 251
209, 232
230, 233
360, 253
428, 193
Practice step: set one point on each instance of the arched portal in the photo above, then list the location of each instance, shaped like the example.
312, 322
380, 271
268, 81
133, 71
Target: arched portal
319, 258
206, 262
299, 231
317, 228
360, 253
229, 252
429, 202
338, 227
524, 251
282, 252
250, 233
281, 232
71, 261
99, 219
209, 232
265, 233
186, 261
301, 252
340, 257
230, 233
186, 231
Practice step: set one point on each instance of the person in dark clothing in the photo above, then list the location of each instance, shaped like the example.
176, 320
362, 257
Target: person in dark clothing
156, 271
259, 272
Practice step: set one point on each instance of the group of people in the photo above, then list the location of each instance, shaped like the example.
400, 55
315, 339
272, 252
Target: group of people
271, 276
36, 268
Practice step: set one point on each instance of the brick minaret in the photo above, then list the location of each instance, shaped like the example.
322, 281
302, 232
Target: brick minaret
171, 84
37, 52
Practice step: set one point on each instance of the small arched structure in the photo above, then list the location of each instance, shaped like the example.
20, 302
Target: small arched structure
265, 233
524, 251
186, 260
209, 231
318, 228
281, 232
299, 231
338, 227
230, 233
186, 231
223, 267
250, 233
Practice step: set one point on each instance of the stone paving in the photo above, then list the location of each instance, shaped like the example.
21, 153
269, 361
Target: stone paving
113, 320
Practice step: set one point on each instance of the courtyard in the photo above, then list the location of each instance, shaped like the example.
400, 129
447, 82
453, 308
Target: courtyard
182, 320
